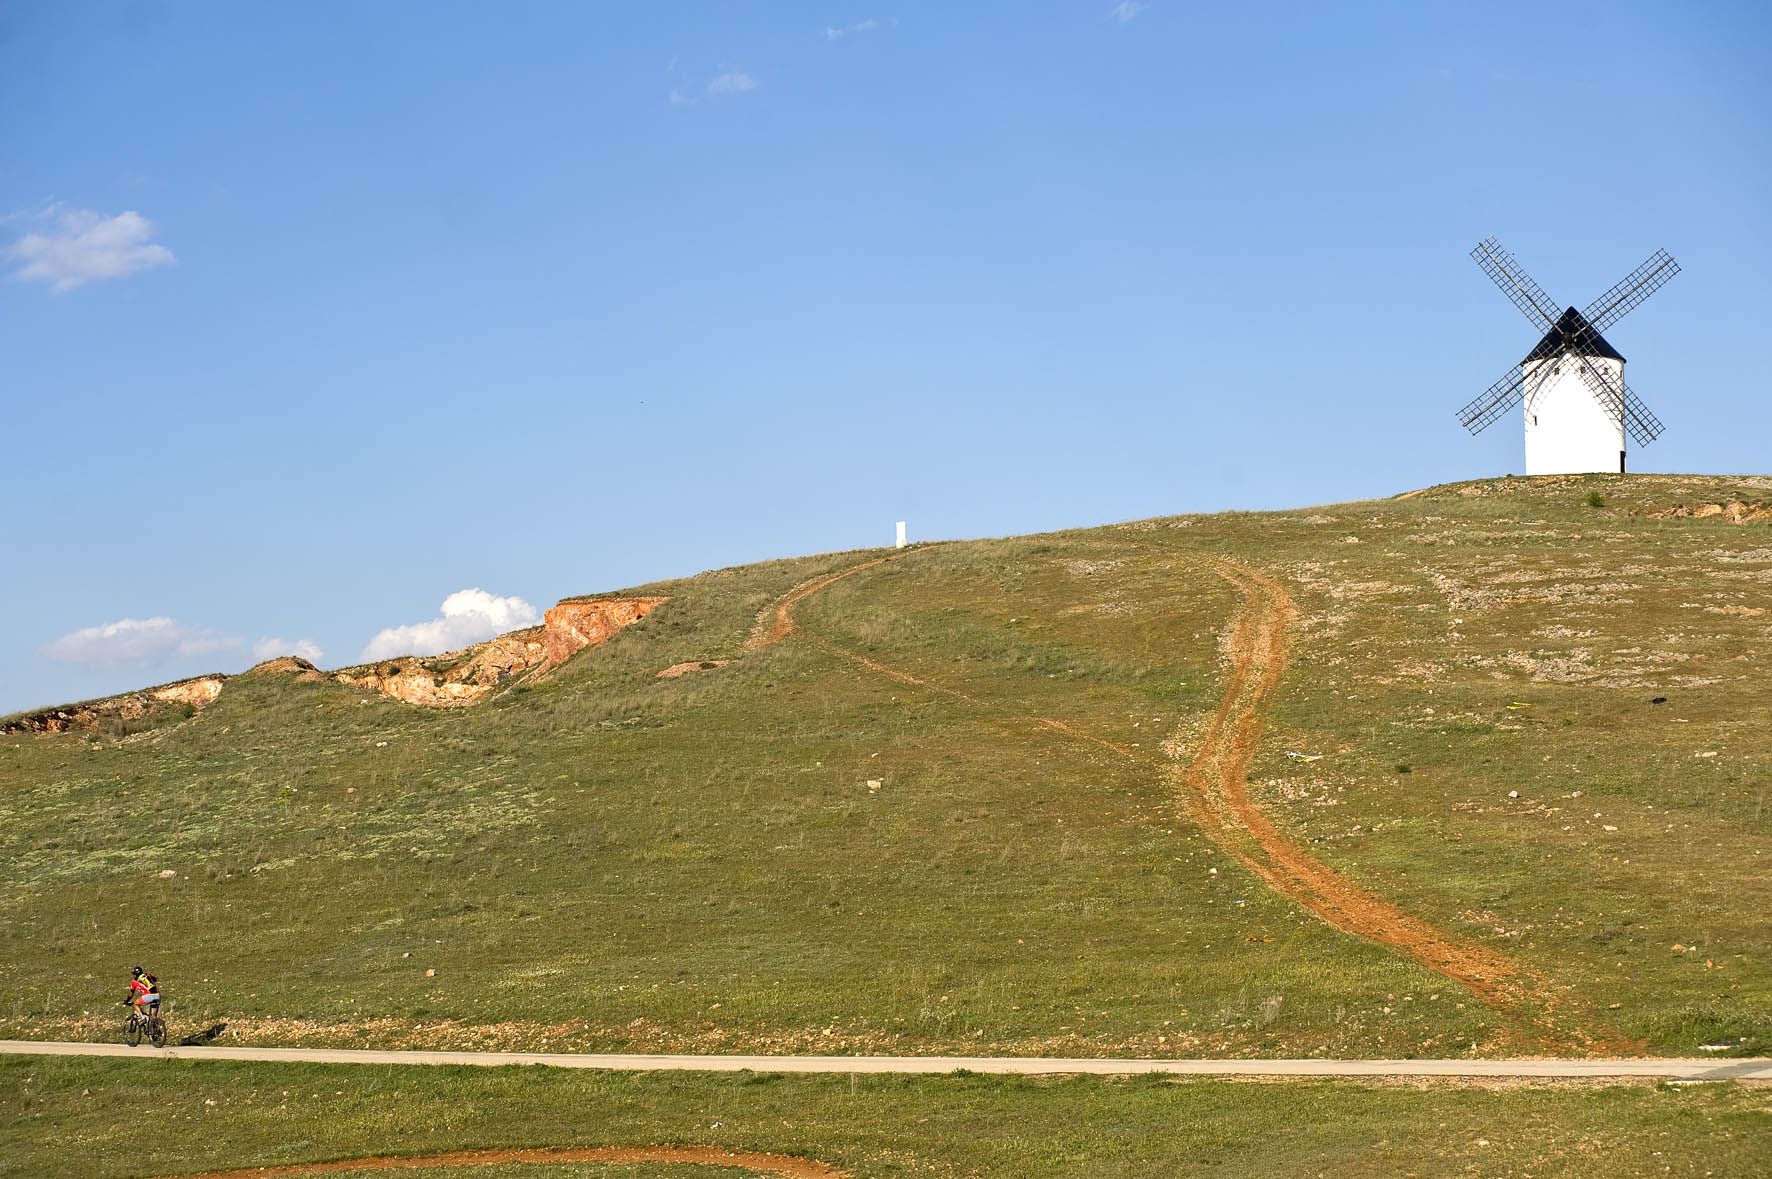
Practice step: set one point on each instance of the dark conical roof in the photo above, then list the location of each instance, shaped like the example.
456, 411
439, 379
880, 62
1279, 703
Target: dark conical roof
1572, 329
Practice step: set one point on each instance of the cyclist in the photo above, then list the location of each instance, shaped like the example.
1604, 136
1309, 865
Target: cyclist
144, 991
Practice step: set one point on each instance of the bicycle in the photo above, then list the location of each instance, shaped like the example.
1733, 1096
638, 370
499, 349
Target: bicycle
140, 1024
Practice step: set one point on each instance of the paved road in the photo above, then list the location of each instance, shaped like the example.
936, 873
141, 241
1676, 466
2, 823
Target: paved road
1681, 1069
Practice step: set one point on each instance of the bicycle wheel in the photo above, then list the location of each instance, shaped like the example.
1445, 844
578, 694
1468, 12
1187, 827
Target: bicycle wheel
132, 1031
157, 1032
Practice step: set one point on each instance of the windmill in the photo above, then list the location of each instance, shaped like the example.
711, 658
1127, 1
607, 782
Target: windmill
1577, 407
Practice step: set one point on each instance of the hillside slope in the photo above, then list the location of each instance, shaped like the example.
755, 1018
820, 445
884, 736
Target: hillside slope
1477, 769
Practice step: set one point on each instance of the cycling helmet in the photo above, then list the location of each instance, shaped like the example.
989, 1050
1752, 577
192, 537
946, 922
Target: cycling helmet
136, 972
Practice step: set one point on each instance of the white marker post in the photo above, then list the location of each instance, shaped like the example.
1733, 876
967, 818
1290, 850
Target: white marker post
902, 542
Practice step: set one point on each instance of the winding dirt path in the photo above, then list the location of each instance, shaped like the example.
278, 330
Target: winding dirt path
1212, 779
1215, 784
776, 622
786, 1165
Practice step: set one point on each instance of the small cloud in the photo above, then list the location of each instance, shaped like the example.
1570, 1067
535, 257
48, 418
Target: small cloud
729, 83
838, 32
1127, 10
276, 648
466, 617
78, 246
678, 98
135, 642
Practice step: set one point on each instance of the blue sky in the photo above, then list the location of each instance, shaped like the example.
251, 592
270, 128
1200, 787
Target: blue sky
316, 314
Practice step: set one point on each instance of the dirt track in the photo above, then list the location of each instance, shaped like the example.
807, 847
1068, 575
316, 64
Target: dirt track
1212, 779
707, 1156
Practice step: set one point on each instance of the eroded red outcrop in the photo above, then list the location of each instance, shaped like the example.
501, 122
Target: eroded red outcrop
573, 625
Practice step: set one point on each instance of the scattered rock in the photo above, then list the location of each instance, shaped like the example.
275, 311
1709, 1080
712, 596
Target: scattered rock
681, 669
431, 973
167, 873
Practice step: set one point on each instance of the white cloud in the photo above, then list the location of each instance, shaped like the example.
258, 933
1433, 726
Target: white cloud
275, 648
837, 33
729, 83
678, 98
1125, 10
136, 642
78, 246
468, 616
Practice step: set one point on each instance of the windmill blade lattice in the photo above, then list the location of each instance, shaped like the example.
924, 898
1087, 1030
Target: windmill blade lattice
1516, 284
1629, 292
1644, 426
1492, 403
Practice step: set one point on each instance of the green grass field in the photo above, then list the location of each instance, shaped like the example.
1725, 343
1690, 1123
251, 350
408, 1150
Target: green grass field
102, 1118
1534, 721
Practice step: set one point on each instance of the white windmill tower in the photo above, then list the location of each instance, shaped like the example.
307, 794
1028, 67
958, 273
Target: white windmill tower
1578, 408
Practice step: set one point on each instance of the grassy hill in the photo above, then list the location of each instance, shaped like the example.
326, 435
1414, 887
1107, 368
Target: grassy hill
964, 806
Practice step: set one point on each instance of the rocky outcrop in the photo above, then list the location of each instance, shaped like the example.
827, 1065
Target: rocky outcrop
497, 660
193, 694
575, 624
453, 679
460, 678
414, 682
1735, 511
290, 665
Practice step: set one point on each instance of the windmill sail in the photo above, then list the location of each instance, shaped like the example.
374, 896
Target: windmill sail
1500, 397
1515, 283
1628, 293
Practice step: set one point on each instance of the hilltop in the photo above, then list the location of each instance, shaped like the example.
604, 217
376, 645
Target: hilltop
1477, 769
